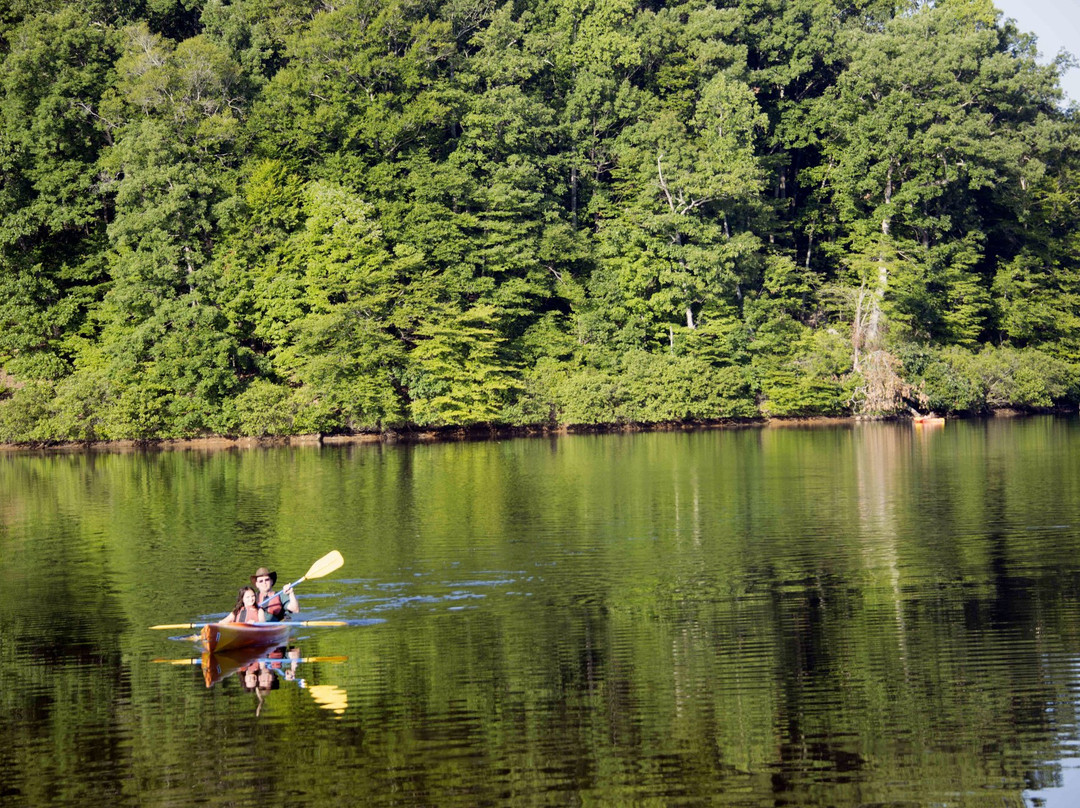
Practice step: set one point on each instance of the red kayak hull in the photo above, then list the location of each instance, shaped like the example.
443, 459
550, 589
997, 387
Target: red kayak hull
218, 637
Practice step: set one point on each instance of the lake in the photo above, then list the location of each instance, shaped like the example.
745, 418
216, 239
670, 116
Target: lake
863, 614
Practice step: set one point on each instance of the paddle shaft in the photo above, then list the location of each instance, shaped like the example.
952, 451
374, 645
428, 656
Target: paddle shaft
262, 660
290, 622
278, 594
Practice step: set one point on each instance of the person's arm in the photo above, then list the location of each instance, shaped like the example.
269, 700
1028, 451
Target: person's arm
293, 605
227, 618
262, 615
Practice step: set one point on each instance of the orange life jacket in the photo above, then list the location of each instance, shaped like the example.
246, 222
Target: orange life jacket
247, 614
274, 610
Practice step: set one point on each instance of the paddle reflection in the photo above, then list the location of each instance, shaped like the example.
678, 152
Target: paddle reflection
330, 697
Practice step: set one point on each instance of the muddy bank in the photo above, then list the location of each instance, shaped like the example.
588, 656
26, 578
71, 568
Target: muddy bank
213, 443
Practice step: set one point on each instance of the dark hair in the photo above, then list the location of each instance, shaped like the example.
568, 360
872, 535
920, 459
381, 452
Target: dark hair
240, 600
244, 671
274, 683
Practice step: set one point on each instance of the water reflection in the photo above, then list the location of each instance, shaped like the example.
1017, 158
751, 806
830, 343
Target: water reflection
859, 615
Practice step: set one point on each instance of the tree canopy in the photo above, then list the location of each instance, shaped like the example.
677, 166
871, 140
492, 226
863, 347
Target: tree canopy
271, 217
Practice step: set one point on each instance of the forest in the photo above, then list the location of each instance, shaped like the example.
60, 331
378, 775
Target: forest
280, 217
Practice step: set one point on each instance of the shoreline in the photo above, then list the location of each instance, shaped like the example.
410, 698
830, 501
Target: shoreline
213, 443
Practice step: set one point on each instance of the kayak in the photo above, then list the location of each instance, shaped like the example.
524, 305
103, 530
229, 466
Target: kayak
218, 637
929, 420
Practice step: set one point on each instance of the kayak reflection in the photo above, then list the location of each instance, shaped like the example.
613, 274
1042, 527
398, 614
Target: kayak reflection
255, 666
261, 670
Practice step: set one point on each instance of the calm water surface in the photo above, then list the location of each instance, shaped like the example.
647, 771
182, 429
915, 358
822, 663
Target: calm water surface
862, 615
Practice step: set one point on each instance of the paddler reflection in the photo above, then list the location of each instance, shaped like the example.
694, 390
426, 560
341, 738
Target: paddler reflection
260, 676
259, 671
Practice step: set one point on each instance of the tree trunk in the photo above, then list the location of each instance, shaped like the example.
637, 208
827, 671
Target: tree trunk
873, 324
884, 389
573, 197
873, 320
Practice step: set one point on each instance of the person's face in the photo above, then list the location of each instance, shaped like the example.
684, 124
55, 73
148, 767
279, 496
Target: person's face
263, 582
251, 678
266, 679
249, 597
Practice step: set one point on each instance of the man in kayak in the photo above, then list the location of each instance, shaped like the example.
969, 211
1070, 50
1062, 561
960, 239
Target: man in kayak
281, 605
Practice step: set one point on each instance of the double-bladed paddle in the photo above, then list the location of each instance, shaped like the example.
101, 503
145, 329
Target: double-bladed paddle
324, 566
289, 623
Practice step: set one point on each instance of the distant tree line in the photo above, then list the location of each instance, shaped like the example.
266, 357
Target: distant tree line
271, 217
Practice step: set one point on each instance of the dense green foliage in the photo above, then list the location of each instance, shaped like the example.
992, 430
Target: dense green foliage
278, 217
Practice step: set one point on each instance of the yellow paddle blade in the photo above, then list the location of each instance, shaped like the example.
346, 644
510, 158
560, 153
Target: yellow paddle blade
325, 565
319, 623
175, 625
194, 661
330, 697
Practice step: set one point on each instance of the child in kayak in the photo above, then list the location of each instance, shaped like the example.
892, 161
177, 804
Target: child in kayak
245, 610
